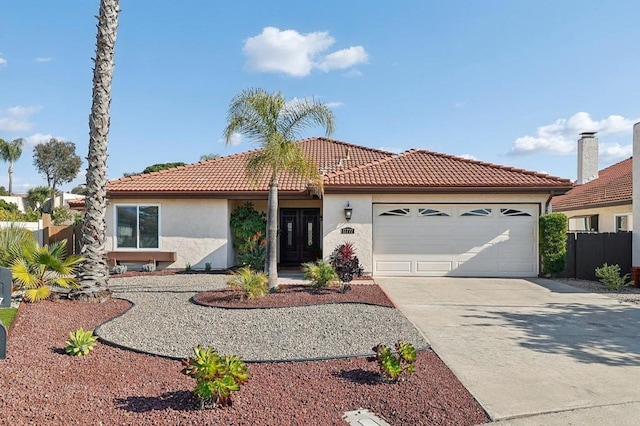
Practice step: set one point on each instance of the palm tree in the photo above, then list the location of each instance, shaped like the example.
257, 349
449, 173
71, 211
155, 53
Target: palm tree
9, 153
38, 269
274, 124
94, 272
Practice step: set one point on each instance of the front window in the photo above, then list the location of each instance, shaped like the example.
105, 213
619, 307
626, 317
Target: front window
622, 223
137, 227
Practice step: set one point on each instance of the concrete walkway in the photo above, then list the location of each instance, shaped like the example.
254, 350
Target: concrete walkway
528, 347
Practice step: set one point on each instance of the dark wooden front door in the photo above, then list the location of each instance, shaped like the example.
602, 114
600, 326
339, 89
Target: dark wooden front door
299, 235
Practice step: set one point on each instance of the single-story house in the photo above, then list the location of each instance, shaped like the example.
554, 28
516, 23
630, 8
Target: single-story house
417, 213
601, 201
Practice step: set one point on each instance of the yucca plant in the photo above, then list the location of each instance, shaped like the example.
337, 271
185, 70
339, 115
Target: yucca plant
216, 376
251, 284
38, 269
319, 273
80, 342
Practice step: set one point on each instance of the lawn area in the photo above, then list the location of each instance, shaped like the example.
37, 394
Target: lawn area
7, 315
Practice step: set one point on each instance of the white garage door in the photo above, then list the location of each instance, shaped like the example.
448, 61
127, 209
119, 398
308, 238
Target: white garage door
455, 240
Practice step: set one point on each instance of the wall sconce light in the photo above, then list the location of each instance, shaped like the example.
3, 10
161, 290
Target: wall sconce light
347, 212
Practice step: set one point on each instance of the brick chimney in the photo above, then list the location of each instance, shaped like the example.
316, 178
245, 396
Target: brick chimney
587, 157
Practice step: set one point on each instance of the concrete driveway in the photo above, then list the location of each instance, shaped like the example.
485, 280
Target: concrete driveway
526, 347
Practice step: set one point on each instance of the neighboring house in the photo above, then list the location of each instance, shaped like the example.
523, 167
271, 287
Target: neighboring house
416, 213
600, 201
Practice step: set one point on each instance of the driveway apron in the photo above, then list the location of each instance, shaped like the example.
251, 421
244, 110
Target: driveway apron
523, 347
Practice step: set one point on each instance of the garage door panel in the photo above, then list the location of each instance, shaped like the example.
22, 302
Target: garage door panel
433, 266
499, 241
394, 267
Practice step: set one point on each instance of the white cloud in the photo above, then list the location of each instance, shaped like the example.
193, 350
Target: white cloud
460, 104
334, 104
295, 54
345, 58
16, 119
38, 138
613, 152
235, 140
560, 136
467, 157
3, 61
43, 59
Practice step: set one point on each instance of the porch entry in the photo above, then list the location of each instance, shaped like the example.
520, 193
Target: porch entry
299, 235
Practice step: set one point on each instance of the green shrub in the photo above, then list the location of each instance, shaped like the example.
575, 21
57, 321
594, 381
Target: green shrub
247, 222
392, 366
553, 243
610, 276
251, 284
61, 216
255, 252
10, 207
7, 315
216, 376
319, 273
80, 342
207, 267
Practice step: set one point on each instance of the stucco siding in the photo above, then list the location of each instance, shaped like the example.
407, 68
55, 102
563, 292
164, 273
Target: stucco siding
606, 216
198, 230
333, 222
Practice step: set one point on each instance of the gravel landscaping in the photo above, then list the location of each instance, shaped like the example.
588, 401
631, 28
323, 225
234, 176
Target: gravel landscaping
42, 385
626, 294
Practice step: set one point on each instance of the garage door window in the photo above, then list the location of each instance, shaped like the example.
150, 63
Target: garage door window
396, 212
513, 212
432, 212
477, 212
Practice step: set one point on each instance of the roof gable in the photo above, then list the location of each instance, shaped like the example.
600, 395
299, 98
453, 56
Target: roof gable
228, 174
614, 185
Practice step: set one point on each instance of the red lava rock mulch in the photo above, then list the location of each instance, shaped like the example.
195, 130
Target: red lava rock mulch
296, 295
42, 385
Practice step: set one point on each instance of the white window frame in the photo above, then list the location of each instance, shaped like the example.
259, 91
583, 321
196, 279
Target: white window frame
137, 247
615, 221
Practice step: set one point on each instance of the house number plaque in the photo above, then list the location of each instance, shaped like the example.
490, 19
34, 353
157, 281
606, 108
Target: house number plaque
347, 230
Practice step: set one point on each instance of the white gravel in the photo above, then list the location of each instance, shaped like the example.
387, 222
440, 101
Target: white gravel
163, 321
625, 295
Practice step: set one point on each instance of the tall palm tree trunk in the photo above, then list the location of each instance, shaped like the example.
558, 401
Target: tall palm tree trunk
94, 273
272, 234
11, 177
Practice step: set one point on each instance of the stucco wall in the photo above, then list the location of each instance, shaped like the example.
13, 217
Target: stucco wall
606, 217
198, 230
333, 221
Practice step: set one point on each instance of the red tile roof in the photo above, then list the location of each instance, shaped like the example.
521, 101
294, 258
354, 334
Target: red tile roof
420, 168
614, 185
343, 165
227, 174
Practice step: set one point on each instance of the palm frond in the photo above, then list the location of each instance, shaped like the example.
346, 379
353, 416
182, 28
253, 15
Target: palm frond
23, 275
37, 294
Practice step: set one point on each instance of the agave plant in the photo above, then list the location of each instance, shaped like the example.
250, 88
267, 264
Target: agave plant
80, 342
38, 269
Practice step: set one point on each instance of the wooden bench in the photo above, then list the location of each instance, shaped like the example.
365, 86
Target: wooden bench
113, 257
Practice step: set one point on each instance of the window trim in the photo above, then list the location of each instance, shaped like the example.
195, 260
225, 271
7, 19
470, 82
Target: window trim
137, 206
615, 221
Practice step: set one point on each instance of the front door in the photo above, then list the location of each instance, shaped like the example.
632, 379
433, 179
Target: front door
299, 235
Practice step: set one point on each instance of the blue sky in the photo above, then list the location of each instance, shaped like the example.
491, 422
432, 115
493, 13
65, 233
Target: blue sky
507, 82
